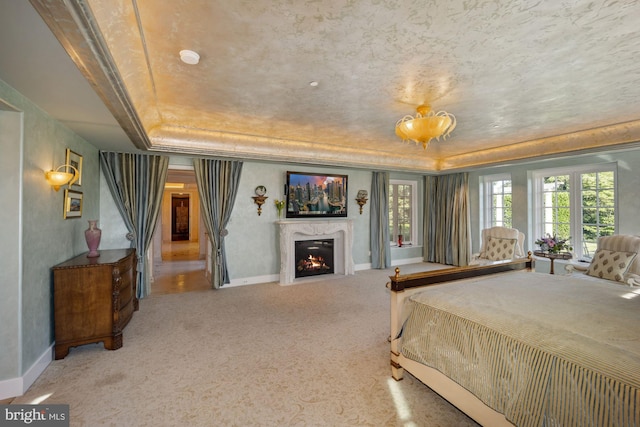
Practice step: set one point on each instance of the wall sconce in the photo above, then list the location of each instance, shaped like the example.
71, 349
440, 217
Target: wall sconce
57, 178
260, 197
361, 199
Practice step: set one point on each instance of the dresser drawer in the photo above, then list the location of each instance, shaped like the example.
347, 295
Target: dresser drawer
126, 288
125, 314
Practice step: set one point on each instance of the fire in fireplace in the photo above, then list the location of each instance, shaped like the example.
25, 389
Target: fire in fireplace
313, 257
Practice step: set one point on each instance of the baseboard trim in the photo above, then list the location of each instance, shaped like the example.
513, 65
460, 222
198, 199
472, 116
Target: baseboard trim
253, 280
406, 261
276, 277
360, 267
15, 387
394, 263
11, 388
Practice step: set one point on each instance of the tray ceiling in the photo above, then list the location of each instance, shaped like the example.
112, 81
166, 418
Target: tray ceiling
524, 79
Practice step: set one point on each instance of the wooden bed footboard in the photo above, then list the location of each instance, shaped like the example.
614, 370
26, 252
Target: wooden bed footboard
400, 282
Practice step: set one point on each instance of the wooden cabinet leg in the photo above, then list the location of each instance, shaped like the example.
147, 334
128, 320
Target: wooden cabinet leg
61, 351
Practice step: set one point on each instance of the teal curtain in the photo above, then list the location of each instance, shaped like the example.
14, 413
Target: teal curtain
447, 227
136, 182
380, 244
217, 185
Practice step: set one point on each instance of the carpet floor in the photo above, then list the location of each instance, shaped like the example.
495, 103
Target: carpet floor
311, 354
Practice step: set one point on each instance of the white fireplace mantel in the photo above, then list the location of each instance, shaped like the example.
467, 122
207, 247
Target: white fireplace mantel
339, 230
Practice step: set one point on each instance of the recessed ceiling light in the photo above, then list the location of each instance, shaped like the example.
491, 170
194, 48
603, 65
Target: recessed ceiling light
189, 57
313, 83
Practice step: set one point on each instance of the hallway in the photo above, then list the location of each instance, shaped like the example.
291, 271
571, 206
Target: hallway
181, 270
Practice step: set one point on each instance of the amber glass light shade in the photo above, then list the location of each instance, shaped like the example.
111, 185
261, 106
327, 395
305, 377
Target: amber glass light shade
425, 126
57, 178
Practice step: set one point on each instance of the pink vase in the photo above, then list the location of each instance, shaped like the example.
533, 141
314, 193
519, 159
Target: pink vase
92, 236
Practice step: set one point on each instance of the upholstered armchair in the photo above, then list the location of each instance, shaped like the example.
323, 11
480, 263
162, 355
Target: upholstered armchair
617, 258
499, 244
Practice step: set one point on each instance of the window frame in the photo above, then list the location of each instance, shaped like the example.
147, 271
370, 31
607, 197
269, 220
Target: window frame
414, 213
575, 200
486, 196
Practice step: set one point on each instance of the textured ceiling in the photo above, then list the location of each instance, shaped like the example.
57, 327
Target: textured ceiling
523, 78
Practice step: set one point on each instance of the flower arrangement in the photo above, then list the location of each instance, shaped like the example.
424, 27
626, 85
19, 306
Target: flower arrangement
280, 206
553, 244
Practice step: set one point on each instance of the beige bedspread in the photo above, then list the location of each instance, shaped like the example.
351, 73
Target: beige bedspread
541, 349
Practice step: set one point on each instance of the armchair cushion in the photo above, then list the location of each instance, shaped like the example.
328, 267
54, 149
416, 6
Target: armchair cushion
502, 233
499, 249
611, 265
623, 243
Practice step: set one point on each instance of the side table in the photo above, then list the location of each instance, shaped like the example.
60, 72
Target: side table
552, 256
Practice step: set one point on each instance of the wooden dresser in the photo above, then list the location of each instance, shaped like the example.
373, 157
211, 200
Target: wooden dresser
94, 299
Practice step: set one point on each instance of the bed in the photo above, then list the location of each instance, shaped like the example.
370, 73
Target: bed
509, 346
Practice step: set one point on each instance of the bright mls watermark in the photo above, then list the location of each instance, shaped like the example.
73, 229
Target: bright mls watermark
34, 415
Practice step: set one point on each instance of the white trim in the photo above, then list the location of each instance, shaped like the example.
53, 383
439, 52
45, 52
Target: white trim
18, 386
361, 267
255, 280
11, 388
252, 280
406, 261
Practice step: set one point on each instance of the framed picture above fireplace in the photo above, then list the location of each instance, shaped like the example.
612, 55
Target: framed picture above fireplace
312, 195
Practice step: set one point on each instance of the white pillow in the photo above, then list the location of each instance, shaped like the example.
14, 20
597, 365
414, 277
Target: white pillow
499, 249
610, 265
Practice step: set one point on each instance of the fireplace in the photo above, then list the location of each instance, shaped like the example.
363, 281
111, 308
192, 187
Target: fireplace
313, 257
292, 231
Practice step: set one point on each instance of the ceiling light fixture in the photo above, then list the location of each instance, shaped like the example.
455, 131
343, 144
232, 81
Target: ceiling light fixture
189, 57
425, 126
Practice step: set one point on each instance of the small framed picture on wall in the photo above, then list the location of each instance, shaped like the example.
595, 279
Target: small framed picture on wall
72, 204
74, 159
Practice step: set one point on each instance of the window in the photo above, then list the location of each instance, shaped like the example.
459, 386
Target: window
496, 190
598, 207
403, 211
580, 204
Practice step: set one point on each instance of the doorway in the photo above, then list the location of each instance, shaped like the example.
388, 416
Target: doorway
179, 241
180, 217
